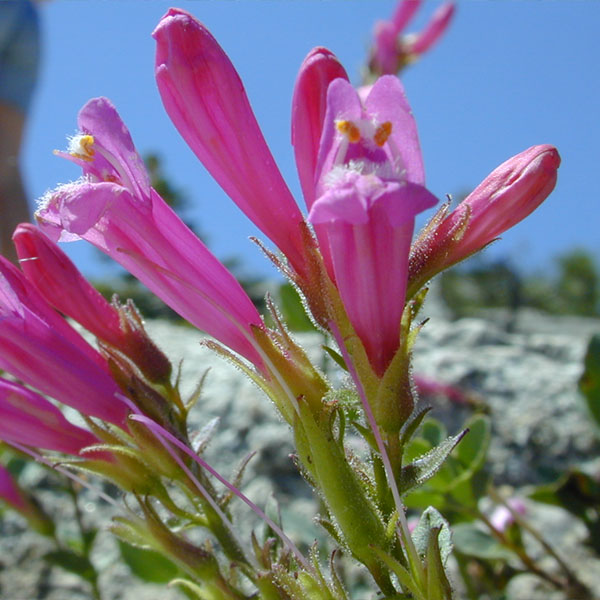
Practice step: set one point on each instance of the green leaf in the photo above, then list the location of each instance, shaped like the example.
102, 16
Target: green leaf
427, 465
472, 541
432, 520
434, 432
72, 562
589, 383
472, 451
148, 565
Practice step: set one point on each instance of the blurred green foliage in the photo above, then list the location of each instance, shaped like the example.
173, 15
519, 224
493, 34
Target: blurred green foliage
481, 283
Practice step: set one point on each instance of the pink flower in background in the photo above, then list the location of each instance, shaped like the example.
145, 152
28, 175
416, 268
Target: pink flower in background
10, 491
504, 198
29, 419
370, 186
205, 98
392, 51
59, 281
39, 347
502, 517
114, 208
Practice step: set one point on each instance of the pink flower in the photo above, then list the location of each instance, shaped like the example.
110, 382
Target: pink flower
392, 51
370, 187
39, 347
29, 419
506, 196
20, 501
59, 281
206, 100
10, 491
114, 208
502, 517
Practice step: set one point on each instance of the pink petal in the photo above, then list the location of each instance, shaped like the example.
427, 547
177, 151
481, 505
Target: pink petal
506, 196
309, 104
53, 274
39, 347
153, 244
405, 9
366, 227
206, 101
385, 48
100, 119
387, 101
28, 418
435, 28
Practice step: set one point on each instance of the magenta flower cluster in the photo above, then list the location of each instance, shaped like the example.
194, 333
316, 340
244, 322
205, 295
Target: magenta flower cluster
361, 170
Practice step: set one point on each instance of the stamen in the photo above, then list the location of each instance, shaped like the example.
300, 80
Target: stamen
350, 130
82, 146
382, 133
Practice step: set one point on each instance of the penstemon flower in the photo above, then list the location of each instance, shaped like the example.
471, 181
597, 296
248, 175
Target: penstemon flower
505, 197
206, 100
59, 281
392, 51
39, 347
114, 208
370, 187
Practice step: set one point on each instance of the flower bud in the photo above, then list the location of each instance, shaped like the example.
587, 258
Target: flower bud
506, 196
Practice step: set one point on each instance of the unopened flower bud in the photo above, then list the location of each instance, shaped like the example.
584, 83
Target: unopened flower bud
504, 198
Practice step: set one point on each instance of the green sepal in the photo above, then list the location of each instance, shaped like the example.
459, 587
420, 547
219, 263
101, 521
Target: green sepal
336, 356
412, 424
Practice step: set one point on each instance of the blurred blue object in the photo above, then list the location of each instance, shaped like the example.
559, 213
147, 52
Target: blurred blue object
19, 52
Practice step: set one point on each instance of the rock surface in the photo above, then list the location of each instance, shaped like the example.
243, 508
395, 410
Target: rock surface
527, 376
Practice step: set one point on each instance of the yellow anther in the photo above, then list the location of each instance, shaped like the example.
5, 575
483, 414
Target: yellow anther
83, 147
382, 133
349, 129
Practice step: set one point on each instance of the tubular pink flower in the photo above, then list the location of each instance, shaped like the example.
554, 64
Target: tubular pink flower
434, 30
206, 100
115, 209
392, 51
59, 281
504, 198
369, 190
309, 104
404, 12
39, 347
55, 276
29, 419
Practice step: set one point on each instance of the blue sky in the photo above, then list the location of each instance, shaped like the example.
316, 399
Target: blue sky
508, 75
